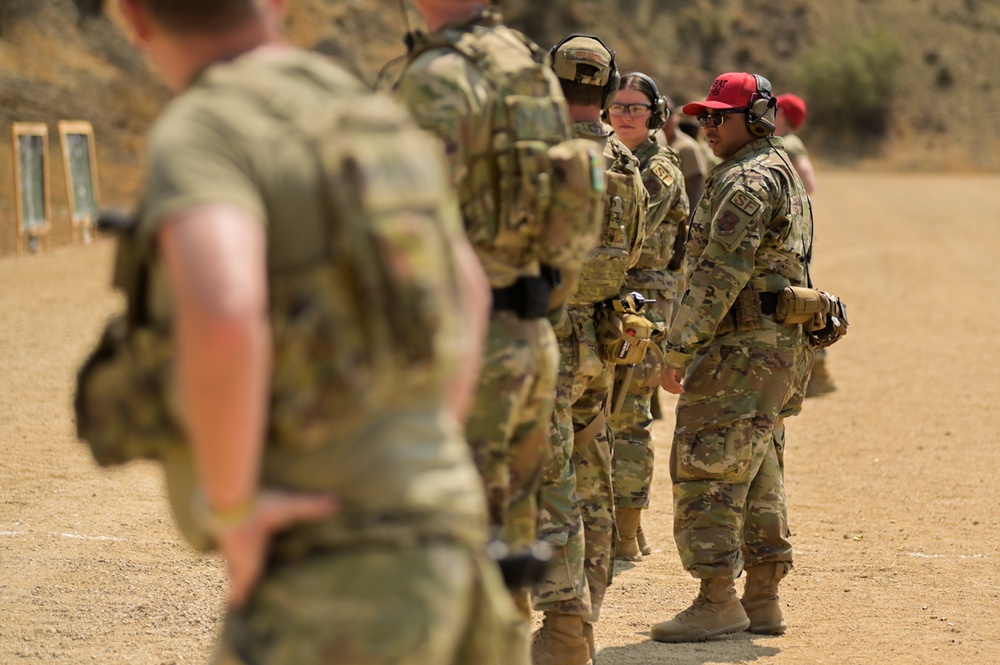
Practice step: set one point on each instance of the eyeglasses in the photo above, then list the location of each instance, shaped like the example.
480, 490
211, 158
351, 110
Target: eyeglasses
717, 117
630, 109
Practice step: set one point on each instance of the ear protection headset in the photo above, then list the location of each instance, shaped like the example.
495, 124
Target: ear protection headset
611, 87
762, 108
660, 112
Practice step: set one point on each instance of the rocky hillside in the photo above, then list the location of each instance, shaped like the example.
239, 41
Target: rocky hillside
933, 99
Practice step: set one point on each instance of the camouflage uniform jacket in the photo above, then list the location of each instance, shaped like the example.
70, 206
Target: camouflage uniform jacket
624, 232
753, 227
668, 211
452, 98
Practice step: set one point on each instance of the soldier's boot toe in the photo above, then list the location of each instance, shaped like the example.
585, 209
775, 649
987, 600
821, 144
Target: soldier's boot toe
716, 611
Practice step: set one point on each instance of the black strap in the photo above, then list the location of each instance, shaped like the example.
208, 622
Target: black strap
552, 275
528, 297
768, 302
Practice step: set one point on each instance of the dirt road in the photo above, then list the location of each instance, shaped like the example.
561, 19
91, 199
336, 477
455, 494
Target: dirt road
892, 480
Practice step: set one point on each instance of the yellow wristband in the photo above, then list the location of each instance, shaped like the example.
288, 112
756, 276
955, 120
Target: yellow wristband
213, 521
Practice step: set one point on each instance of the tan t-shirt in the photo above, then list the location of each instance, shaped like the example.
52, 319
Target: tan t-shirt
795, 148
404, 468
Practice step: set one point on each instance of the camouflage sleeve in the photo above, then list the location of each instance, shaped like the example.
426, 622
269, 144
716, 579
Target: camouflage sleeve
668, 202
723, 269
447, 96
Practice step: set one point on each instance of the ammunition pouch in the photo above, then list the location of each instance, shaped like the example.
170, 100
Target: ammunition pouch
801, 305
823, 315
122, 390
528, 297
747, 312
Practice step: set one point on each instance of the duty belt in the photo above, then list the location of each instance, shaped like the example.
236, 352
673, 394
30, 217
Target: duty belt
750, 305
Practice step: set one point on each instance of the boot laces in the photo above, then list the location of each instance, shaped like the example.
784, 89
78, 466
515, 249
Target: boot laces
699, 603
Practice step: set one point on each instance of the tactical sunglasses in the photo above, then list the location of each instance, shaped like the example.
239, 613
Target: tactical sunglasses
717, 117
630, 109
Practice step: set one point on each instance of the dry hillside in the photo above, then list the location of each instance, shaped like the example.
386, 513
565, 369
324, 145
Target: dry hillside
937, 109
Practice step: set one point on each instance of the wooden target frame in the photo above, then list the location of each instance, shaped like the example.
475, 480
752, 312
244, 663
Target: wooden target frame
79, 152
30, 144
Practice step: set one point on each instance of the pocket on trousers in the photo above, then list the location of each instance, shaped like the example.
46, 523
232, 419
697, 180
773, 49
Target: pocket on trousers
714, 438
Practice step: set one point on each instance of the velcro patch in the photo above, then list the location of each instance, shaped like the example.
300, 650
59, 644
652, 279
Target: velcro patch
653, 186
663, 173
731, 225
727, 222
745, 201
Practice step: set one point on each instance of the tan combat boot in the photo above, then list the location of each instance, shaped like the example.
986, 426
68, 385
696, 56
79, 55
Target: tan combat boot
760, 598
560, 641
640, 539
716, 611
626, 546
820, 382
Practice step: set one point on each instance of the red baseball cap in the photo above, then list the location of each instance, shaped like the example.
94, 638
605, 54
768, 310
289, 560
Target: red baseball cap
793, 107
730, 91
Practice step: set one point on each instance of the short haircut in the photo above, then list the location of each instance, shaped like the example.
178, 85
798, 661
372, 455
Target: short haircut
187, 16
581, 94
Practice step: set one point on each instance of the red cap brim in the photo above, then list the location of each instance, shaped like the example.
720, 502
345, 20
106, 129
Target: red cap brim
694, 108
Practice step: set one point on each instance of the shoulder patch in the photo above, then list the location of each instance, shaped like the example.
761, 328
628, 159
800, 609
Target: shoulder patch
736, 216
663, 173
652, 185
727, 222
745, 201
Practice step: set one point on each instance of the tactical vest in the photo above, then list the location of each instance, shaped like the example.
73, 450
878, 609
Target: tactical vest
373, 324
534, 193
603, 275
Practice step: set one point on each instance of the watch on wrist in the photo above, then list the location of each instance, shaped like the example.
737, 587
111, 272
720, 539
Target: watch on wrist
212, 520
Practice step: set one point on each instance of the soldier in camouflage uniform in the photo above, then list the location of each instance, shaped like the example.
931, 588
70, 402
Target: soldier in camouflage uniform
750, 238
462, 82
638, 110
582, 463
296, 224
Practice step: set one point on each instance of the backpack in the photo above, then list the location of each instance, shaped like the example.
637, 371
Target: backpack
536, 193
603, 274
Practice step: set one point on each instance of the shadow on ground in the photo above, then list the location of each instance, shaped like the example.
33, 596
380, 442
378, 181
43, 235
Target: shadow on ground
741, 648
